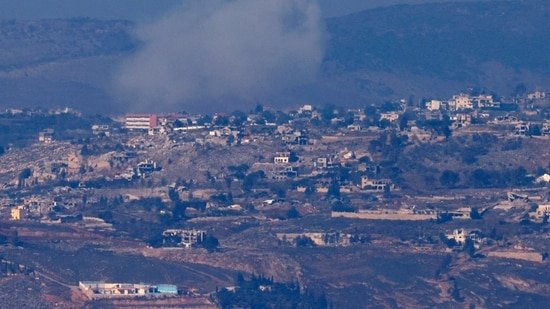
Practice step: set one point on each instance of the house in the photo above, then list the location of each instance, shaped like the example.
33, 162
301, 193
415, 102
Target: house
282, 173
461, 120
542, 179
485, 101
321, 162
522, 129
306, 108
282, 158
460, 236
434, 105
46, 136
95, 290
543, 210
18, 213
101, 129
391, 117
460, 102
146, 167
354, 127
376, 185
537, 95
184, 238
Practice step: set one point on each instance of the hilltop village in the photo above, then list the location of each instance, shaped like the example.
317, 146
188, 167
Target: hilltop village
454, 188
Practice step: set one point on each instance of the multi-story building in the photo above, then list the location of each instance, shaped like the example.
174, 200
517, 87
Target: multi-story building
141, 122
461, 235
18, 213
461, 101
485, 101
537, 95
434, 105
282, 158
391, 117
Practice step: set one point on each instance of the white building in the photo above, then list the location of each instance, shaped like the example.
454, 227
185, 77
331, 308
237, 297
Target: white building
434, 105
461, 235
537, 95
282, 158
485, 101
378, 185
391, 117
461, 101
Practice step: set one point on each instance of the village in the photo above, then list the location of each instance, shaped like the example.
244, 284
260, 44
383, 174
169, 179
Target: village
463, 177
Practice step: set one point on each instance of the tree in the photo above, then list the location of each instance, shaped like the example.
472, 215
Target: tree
304, 241
520, 90
178, 213
107, 216
258, 109
449, 179
474, 214
25, 173
469, 247
534, 130
155, 240
480, 178
293, 213
334, 189
210, 243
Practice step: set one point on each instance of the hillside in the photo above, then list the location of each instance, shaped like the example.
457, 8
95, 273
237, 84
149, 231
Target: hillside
27, 43
424, 50
441, 46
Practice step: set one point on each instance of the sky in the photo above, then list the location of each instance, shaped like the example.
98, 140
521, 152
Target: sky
149, 10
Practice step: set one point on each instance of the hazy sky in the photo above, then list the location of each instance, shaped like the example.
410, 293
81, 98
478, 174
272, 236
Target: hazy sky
147, 10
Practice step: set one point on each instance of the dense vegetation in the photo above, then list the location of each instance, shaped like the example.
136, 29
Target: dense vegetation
261, 292
449, 40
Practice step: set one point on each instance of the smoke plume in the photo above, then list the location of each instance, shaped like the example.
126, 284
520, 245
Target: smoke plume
223, 52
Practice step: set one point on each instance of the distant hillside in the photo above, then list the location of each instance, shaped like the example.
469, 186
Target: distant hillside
26, 43
462, 43
425, 50
57, 63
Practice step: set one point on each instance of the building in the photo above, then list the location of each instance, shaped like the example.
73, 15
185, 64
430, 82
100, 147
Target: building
377, 185
147, 167
460, 236
537, 95
101, 129
307, 108
18, 213
282, 173
96, 290
461, 120
321, 162
391, 117
282, 158
141, 122
522, 129
46, 136
485, 101
434, 105
184, 238
461, 101
543, 210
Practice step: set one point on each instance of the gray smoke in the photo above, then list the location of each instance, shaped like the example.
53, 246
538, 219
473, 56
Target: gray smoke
212, 52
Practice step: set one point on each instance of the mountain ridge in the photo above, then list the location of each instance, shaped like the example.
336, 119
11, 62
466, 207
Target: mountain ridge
422, 50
